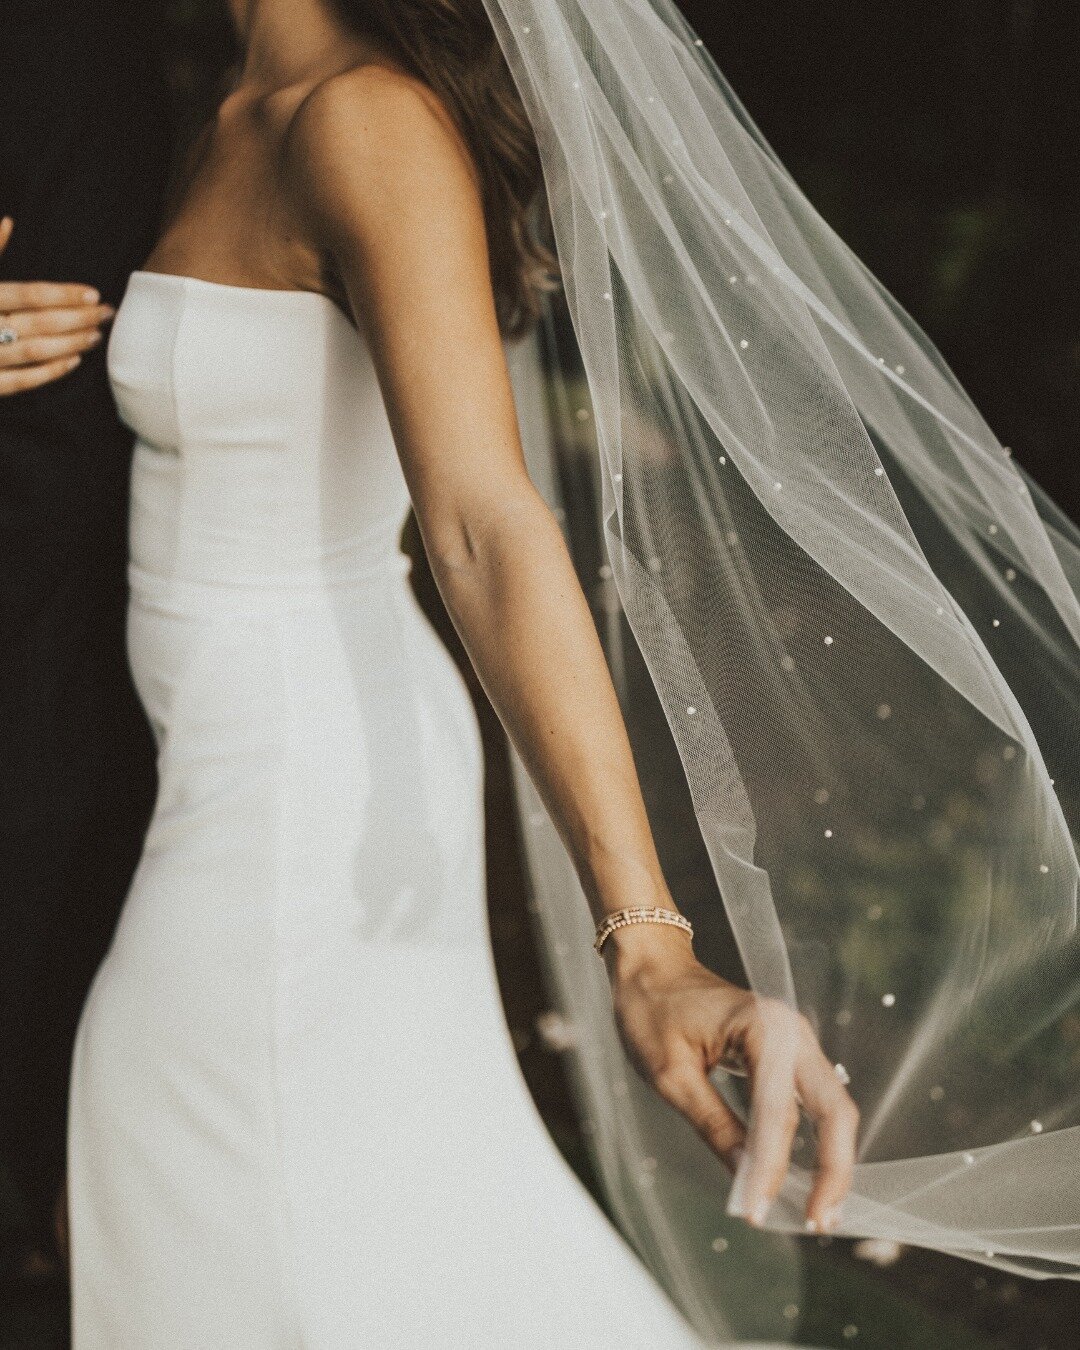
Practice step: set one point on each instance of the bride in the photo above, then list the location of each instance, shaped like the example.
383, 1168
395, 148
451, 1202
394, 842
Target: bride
296, 1115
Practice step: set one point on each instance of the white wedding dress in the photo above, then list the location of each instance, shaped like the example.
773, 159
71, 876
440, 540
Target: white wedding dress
297, 1119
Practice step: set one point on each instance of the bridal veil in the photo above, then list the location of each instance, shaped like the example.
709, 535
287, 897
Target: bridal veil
844, 627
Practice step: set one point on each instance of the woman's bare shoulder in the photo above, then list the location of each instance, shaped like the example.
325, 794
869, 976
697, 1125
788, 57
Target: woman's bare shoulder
372, 132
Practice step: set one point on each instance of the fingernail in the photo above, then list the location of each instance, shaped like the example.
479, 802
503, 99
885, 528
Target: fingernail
91, 297
737, 1198
736, 1205
94, 338
830, 1219
759, 1211
108, 311
811, 1225
75, 361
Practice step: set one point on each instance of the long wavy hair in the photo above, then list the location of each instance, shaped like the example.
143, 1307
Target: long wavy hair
451, 46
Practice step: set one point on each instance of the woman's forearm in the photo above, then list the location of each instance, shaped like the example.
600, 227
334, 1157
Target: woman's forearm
394, 201
514, 597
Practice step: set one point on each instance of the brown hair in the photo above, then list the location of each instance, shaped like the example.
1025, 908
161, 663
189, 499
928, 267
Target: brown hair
451, 46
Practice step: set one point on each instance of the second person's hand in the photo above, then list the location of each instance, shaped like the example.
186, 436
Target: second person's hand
45, 327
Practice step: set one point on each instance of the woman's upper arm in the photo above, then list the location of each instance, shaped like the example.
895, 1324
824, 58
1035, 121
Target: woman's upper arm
392, 198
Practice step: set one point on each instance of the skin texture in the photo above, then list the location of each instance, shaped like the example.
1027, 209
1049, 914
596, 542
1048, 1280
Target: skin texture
328, 161
55, 324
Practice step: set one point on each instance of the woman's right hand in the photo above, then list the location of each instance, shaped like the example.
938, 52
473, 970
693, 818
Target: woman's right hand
677, 1021
44, 327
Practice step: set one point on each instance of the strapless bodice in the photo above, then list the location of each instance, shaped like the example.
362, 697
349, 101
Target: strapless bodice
264, 456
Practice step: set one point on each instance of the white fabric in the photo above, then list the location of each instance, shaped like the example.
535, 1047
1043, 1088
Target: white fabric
843, 623
296, 1113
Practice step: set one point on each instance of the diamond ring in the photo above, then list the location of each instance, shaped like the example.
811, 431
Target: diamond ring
8, 336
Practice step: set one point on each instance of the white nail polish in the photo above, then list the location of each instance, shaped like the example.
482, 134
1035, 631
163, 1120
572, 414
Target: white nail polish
757, 1215
811, 1225
736, 1205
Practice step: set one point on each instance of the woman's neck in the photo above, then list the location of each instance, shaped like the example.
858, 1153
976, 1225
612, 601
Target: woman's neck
287, 42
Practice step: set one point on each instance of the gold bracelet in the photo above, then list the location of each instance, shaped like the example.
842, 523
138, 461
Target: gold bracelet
622, 917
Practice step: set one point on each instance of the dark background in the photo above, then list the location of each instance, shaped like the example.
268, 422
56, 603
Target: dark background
939, 140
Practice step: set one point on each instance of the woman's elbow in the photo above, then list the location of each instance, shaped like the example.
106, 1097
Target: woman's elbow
486, 535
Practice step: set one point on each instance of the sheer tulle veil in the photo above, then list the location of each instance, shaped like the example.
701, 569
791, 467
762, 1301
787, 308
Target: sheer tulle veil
843, 623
